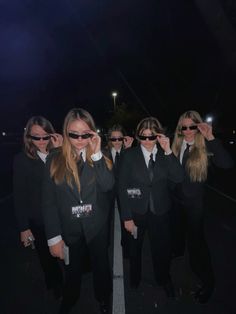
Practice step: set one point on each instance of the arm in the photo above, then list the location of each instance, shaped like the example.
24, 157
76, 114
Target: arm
49, 205
51, 215
220, 157
175, 170
123, 184
104, 176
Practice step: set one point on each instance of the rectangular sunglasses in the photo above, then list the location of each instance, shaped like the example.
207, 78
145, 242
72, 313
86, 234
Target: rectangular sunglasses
191, 127
150, 137
83, 136
116, 139
38, 138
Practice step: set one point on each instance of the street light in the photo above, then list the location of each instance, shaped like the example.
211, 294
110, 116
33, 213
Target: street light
209, 119
114, 95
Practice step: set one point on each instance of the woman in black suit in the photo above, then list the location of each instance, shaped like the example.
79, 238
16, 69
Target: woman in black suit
196, 147
39, 137
145, 173
118, 141
77, 181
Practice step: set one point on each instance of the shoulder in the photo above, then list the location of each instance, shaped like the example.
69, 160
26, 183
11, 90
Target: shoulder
22, 158
106, 152
131, 152
54, 154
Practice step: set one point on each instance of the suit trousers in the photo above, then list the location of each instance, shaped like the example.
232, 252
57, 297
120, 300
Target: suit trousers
100, 266
189, 230
158, 230
53, 271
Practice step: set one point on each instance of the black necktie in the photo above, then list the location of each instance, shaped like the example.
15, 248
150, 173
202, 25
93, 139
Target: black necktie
151, 164
185, 154
117, 157
80, 163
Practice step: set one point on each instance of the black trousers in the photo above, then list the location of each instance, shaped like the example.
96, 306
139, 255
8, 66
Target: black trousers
124, 233
188, 229
53, 272
100, 266
158, 229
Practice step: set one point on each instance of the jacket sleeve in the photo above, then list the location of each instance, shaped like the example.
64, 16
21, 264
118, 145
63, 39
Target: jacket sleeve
175, 170
104, 176
49, 205
20, 191
123, 183
219, 155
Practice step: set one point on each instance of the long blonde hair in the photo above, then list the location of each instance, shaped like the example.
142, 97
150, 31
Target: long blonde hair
197, 163
64, 164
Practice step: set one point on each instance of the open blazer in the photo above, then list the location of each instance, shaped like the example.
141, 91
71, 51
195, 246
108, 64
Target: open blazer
58, 200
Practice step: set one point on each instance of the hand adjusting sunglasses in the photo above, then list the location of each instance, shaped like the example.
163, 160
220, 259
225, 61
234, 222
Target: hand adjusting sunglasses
116, 139
150, 137
83, 136
191, 127
38, 138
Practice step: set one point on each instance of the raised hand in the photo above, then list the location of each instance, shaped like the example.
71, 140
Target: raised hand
95, 142
164, 142
128, 140
56, 139
206, 130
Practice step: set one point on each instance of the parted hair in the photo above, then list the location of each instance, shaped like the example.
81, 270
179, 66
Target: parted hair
115, 128
29, 147
197, 163
151, 123
64, 164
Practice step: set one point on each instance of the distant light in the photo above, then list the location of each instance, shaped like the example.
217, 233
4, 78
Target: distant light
231, 142
209, 119
4, 134
114, 94
98, 130
234, 132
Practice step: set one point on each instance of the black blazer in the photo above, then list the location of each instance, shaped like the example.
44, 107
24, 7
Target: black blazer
218, 157
58, 201
134, 175
27, 190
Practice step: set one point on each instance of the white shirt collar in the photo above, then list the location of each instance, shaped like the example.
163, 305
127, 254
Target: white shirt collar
83, 151
113, 153
183, 147
147, 154
42, 156
185, 143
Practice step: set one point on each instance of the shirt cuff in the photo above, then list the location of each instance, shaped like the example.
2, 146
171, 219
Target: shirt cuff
97, 156
168, 153
54, 240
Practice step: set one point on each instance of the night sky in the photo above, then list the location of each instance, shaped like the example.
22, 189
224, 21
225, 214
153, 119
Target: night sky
162, 57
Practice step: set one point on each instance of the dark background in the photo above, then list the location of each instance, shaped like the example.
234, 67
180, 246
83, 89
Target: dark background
163, 57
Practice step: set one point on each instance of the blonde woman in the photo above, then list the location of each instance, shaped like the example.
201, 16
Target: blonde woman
76, 207
196, 147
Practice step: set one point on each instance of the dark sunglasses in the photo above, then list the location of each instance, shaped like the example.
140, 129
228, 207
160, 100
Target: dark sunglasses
38, 138
191, 127
83, 136
116, 139
150, 137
